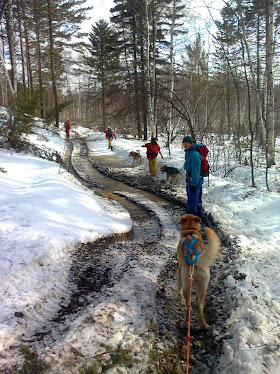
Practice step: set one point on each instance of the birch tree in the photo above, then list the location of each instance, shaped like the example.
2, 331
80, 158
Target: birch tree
270, 136
52, 60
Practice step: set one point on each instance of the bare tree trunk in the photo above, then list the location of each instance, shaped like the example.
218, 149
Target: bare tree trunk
39, 63
144, 94
153, 79
258, 110
40, 76
238, 109
249, 116
228, 104
270, 138
7, 74
12, 43
103, 106
27, 47
147, 81
172, 80
52, 60
23, 68
253, 74
136, 81
3, 8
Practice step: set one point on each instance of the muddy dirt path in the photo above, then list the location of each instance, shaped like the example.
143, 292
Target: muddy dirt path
94, 275
105, 186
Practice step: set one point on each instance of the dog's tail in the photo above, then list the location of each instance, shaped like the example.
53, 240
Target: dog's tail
213, 248
139, 151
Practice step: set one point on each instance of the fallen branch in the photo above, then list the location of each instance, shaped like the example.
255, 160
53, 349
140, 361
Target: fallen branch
113, 350
231, 170
78, 353
14, 139
9, 261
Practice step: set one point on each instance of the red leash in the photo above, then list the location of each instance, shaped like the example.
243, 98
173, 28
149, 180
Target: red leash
189, 337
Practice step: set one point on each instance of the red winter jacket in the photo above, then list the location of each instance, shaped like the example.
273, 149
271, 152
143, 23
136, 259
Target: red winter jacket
67, 126
152, 150
111, 135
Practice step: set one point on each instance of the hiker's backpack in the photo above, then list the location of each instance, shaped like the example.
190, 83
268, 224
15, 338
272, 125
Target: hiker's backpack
203, 150
110, 134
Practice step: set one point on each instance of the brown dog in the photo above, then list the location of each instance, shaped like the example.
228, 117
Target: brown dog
172, 173
136, 157
190, 227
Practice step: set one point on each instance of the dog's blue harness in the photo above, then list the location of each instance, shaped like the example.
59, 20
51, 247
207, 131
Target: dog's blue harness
191, 247
171, 169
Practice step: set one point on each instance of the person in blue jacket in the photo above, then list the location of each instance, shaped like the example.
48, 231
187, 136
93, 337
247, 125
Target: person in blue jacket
194, 180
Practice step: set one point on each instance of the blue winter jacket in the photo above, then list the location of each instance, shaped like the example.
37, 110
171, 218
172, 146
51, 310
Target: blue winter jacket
192, 164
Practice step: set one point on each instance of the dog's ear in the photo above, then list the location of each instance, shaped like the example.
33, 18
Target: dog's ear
183, 219
197, 219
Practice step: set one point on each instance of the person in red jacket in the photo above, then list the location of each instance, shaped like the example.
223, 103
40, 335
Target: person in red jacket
110, 135
67, 128
153, 149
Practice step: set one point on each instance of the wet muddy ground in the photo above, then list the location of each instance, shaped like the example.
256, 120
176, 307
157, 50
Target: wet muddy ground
98, 267
89, 277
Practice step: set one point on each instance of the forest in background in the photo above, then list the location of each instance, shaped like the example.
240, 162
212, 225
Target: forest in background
142, 72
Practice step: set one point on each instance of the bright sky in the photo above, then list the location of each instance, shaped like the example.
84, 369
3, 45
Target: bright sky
101, 9
201, 21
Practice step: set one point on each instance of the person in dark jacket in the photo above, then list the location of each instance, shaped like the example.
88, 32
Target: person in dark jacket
194, 180
153, 149
110, 135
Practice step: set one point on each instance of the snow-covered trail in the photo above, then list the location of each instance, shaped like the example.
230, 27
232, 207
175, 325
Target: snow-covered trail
139, 297
244, 330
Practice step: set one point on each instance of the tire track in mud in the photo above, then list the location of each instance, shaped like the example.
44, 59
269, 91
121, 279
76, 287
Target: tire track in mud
140, 259
99, 265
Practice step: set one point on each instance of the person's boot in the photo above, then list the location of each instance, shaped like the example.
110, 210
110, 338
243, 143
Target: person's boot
111, 148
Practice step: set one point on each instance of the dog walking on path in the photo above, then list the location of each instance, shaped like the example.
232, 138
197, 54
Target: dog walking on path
191, 250
172, 173
136, 157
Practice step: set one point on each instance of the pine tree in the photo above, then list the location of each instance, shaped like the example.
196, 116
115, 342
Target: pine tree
127, 17
104, 59
140, 30
196, 66
46, 29
64, 18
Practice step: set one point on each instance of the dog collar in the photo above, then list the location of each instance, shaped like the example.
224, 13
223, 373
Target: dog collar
189, 248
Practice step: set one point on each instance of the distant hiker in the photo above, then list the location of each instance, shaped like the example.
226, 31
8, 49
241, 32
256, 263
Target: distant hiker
153, 149
194, 175
110, 135
67, 128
